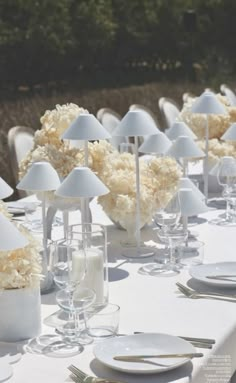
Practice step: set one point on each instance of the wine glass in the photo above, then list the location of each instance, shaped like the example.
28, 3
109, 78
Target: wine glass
68, 265
166, 218
226, 176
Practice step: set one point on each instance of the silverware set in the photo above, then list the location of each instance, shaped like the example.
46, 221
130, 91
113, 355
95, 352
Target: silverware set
190, 293
79, 376
196, 342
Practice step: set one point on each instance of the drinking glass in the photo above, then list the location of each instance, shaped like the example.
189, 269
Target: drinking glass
68, 265
226, 177
167, 218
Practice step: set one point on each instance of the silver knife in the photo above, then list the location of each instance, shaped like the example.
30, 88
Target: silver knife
128, 358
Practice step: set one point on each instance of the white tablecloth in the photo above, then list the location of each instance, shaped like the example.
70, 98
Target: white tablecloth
152, 304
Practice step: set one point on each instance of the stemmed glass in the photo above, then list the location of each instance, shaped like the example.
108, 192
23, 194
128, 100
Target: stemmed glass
68, 266
226, 176
167, 218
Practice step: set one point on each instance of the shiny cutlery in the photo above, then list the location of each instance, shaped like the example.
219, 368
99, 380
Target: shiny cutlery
195, 295
79, 376
128, 358
221, 277
196, 342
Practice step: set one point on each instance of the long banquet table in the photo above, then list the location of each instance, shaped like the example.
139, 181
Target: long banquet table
151, 304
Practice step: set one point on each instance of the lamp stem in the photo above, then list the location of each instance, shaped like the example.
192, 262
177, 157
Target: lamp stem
185, 226
137, 222
85, 153
44, 224
66, 223
85, 203
206, 161
185, 167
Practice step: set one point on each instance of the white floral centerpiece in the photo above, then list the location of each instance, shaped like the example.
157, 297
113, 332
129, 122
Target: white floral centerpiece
118, 173
116, 170
20, 289
217, 125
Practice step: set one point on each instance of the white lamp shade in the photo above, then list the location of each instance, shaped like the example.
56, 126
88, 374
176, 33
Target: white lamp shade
86, 127
179, 128
41, 176
185, 147
230, 134
5, 189
135, 123
157, 143
223, 160
208, 103
10, 236
190, 204
83, 183
186, 183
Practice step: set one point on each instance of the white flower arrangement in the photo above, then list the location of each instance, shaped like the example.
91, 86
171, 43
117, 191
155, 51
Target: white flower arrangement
217, 124
116, 170
118, 174
21, 268
218, 149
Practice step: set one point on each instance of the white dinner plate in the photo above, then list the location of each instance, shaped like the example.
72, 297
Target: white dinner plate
151, 343
200, 273
6, 370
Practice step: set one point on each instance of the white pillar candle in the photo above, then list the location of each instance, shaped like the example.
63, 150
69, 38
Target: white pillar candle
94, 278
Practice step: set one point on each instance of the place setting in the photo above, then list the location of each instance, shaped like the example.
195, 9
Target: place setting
211, 281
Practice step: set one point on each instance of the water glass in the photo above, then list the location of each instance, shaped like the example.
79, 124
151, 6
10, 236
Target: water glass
102, 322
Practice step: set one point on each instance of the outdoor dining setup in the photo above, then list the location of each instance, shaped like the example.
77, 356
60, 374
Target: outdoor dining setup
130, 273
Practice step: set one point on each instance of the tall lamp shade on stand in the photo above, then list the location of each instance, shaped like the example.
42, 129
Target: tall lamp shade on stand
230, 134
184, 148
135, 124
158, 144
5, 189
207, 104
81, 183
86, 128
179, 128
10, 237
41, 177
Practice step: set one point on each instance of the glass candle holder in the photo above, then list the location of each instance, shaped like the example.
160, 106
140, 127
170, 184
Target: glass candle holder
92, 241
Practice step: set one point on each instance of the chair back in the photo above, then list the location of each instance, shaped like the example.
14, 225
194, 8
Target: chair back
169, 110
229, 93
20, 142
187, 96
110, 119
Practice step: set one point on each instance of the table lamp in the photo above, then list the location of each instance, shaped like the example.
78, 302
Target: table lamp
41, 177
86, 128
184, 148
207, 104
135, 124
186, 182
190, 205
157, 143
179, 128
230, 134
10, 237
81, 183
5, 189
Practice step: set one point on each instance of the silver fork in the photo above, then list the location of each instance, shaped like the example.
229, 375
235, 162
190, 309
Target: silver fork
79, 376
195, 295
